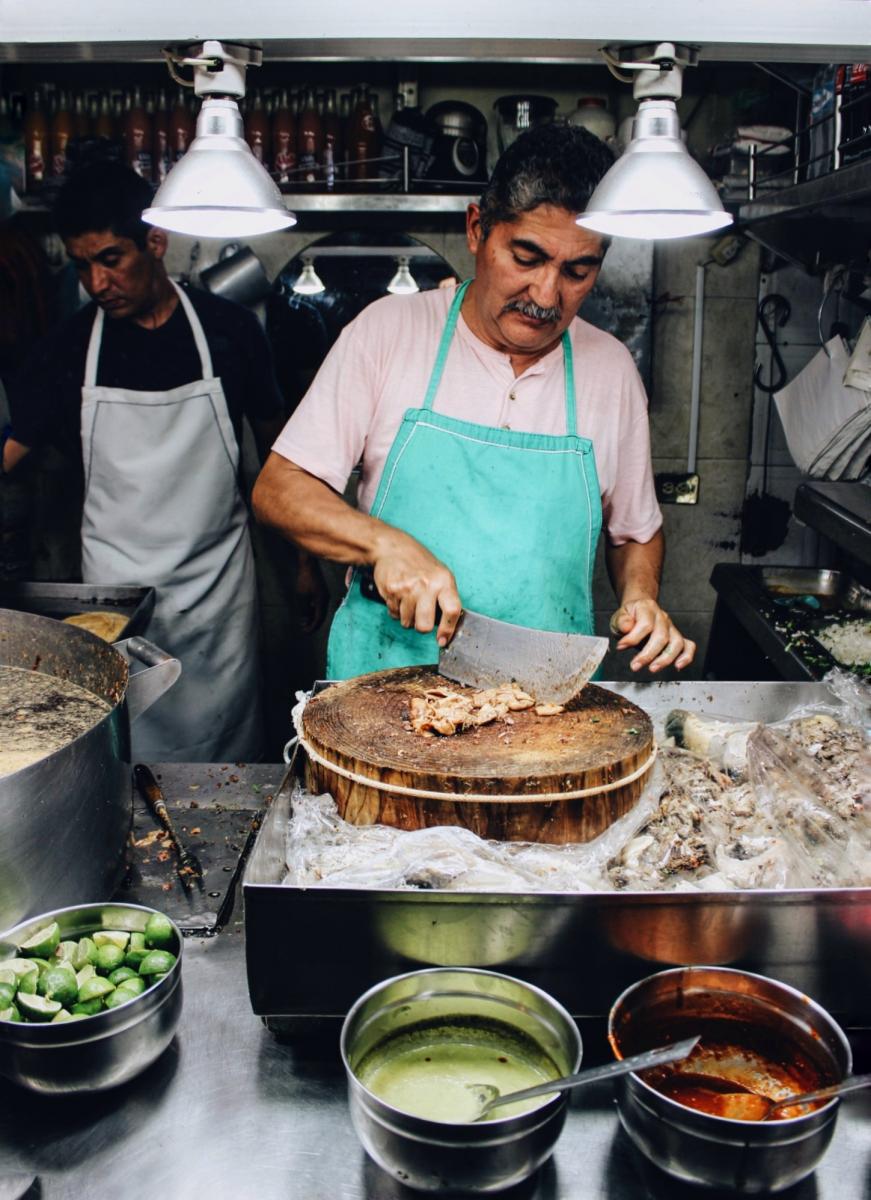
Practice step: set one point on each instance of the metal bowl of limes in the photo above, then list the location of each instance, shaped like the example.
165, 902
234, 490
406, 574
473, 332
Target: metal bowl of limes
89, 996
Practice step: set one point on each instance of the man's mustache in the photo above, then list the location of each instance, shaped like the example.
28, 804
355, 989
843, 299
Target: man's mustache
528, 308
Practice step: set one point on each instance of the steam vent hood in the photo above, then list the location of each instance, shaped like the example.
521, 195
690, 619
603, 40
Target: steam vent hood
511, 31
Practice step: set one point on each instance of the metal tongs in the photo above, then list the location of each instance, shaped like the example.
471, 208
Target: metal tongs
189, 869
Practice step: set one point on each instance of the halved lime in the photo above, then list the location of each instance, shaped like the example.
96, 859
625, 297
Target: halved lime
134, 987
85, 951
157, 962
38, 1008
7, 975
108, 958
122, 973
158, 932
43, 943
59, 983
10, 1014
88, 971
119, 997
7, 994
95, 988
136, 951
66, 951
112, 937
63, 1015
87, 1008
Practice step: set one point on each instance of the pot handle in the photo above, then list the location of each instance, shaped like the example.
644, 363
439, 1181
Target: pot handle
144, 687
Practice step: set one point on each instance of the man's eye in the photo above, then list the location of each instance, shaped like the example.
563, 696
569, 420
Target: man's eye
526, 262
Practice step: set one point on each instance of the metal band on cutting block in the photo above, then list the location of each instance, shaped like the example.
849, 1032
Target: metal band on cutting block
557, 779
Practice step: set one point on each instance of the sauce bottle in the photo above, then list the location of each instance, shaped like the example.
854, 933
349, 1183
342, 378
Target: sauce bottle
81, 120
181, 128
35, 144
160, 156
284, 140
137, 137
364, 140
309, 139
333, 140
257, 129
62, 129
104, 125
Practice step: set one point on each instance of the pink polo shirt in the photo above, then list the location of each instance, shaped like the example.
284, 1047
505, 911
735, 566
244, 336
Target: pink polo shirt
381, 365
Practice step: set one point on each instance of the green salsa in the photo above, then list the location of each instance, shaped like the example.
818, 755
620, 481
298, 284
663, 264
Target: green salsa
431, 1071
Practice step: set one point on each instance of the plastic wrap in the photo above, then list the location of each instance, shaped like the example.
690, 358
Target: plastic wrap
742, 806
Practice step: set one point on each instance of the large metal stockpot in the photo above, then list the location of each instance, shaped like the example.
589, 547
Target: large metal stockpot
65, 819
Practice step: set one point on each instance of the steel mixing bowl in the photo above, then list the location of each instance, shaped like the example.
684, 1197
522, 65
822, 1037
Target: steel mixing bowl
442, 1156
745, 1156
108, 1048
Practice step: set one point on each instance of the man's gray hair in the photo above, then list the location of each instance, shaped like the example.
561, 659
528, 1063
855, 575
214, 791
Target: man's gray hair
550, 164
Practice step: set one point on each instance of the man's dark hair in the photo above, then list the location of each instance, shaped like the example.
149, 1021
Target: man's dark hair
104, 196
549, 164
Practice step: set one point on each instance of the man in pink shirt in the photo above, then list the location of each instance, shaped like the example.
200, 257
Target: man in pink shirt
497, 434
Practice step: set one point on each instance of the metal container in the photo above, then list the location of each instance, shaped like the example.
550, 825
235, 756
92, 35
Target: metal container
98, 1052
238, 275
65, 819
61, 600
745, 1156
346, 939
440, 1156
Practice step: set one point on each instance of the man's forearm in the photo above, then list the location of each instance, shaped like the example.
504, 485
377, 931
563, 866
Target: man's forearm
13, 451
308, 512
635, 568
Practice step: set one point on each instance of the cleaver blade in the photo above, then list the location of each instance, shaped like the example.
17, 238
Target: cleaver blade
552, 667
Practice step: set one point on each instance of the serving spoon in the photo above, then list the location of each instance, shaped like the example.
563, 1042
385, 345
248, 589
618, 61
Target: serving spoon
750, 1106
489, 1097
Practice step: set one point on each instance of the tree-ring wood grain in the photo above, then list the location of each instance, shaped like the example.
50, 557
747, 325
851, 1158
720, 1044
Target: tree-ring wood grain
359, 725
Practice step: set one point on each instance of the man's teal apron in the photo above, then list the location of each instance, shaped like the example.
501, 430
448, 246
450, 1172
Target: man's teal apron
515, 516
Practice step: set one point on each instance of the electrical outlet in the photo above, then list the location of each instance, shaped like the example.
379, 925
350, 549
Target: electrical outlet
677, 489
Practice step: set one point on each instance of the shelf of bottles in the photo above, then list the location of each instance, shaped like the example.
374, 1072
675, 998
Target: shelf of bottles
326, 152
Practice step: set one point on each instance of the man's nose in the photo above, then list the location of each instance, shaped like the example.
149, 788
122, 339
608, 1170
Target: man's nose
97, 279
545, 287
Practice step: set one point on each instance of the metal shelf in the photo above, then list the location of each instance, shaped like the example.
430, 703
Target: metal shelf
816, 223
377, 202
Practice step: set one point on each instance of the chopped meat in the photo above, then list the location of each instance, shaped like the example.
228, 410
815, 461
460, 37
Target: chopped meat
444, 711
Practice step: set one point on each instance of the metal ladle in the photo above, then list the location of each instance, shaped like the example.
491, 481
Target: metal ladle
489, 1097
749, 1106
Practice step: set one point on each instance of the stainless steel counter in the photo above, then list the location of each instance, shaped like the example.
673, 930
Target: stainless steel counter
229, 1113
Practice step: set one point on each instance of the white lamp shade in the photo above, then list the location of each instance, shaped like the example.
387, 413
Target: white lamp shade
655, 190
219, 189
403, 282
309, 282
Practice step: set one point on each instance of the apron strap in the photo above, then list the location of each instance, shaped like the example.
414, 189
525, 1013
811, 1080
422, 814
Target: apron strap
94, 349
200, 341
569, 369
202, 344
445, 345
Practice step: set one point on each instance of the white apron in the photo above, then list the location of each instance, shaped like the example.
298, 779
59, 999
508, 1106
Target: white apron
163, 508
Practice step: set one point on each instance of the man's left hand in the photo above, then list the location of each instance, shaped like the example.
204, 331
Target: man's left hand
643, 621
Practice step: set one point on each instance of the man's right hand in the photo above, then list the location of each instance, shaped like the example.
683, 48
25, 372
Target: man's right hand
416, 586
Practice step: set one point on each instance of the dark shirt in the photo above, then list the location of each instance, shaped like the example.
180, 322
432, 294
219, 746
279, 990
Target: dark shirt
46, 395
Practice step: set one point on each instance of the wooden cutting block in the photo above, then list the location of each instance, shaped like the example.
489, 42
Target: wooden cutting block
513, 781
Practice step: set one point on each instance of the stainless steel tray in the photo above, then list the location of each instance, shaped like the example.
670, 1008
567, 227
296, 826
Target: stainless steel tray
311, 952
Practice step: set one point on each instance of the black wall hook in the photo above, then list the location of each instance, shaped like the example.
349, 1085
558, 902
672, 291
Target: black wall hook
777, 310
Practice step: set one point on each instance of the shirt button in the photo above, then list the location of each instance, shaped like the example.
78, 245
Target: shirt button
506, 426
512, 395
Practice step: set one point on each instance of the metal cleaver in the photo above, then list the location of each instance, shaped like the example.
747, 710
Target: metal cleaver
552, 667
484, 652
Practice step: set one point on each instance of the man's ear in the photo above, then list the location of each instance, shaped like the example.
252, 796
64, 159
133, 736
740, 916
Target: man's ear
156, 242
474, 231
